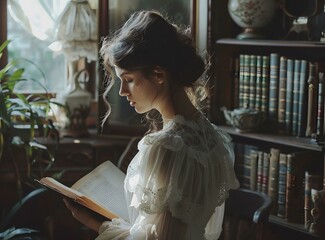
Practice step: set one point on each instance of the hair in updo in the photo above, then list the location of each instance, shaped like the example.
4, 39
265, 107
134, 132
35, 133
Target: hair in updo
146, 40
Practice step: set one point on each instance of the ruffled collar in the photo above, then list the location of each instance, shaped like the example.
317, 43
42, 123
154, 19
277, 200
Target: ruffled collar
192, 121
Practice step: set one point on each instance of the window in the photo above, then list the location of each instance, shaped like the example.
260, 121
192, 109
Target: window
30, 26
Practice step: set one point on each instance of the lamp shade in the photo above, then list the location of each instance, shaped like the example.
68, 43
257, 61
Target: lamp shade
76, 31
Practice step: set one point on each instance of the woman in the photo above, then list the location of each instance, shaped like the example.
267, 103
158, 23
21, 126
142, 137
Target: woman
177, 183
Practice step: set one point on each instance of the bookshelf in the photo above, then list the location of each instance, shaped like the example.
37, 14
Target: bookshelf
227, 71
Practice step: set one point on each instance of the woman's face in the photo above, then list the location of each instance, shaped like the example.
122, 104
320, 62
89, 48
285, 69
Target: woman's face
142, 92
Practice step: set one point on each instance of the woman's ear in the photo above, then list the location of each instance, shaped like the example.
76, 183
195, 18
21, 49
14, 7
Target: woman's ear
159, 74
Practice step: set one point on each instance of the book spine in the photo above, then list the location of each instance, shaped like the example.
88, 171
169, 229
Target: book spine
312, 101
274, 87
273, 178
289, 96
258, 95
253, 177
295, 102
312, 181
265, 172
282, 93
235, 75
265, 84
241, 81
320, 106
252, 81
246, 81
294, 191
248, 151
259, 171
302, 99
282, 185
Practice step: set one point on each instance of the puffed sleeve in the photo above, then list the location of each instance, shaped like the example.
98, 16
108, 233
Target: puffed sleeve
175, 189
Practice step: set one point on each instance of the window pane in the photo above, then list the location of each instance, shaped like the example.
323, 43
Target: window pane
40, 63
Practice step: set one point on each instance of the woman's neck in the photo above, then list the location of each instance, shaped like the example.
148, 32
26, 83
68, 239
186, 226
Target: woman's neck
179, 104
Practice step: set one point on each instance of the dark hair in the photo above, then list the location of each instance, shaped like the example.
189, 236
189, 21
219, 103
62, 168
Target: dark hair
147, 39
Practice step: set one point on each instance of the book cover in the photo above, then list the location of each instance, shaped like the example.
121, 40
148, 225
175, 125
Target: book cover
302, 102
253, 177
265, 172
282, 184
313, 180
273, 180
312, 101
235, 75
289, 96
241, 80
265, 84
274, 87
101, 190
258, 95
297, 164
246, 81
320, 106
295, 99
259, 171
252, 81
282, 93
248, 151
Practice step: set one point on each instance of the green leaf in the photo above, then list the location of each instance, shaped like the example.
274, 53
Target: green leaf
16, 75
4, 44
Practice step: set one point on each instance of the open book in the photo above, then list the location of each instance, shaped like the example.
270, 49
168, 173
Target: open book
101, 190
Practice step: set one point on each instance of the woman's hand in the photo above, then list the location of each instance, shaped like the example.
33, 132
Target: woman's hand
83, 215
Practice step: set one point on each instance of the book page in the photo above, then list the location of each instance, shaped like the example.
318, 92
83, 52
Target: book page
78, 197
59, 187
105, 185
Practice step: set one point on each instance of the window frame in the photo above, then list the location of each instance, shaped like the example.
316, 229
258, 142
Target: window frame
91, 67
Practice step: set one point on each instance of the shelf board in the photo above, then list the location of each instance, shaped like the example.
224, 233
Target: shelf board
296, 142
272, 43
294, 226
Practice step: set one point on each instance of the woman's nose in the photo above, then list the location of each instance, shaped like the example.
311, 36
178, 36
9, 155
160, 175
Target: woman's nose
123, 90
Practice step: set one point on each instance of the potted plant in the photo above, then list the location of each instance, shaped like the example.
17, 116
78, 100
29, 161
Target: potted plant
23, 119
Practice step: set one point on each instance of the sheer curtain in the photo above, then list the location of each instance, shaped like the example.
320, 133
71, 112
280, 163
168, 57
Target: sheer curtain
37, 16
31, 30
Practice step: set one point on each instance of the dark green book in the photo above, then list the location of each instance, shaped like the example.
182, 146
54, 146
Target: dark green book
241, 81
259, 171
295, 99
265, 84
258, 95
320, 106
246, 81
282, 93
282, 184
252, 81
274, 86
289, 96
302, 103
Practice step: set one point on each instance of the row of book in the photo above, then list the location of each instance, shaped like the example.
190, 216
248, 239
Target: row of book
289, 91
286, 177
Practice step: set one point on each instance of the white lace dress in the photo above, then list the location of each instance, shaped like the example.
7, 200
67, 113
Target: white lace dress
177, 184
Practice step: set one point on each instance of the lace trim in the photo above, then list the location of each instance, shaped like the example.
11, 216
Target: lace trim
153, 201
198, 134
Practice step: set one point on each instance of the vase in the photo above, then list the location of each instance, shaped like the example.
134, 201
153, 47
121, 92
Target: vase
77, 106
252, 15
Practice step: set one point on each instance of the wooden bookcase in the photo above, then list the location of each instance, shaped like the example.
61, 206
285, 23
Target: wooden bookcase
225, 48
228, 49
